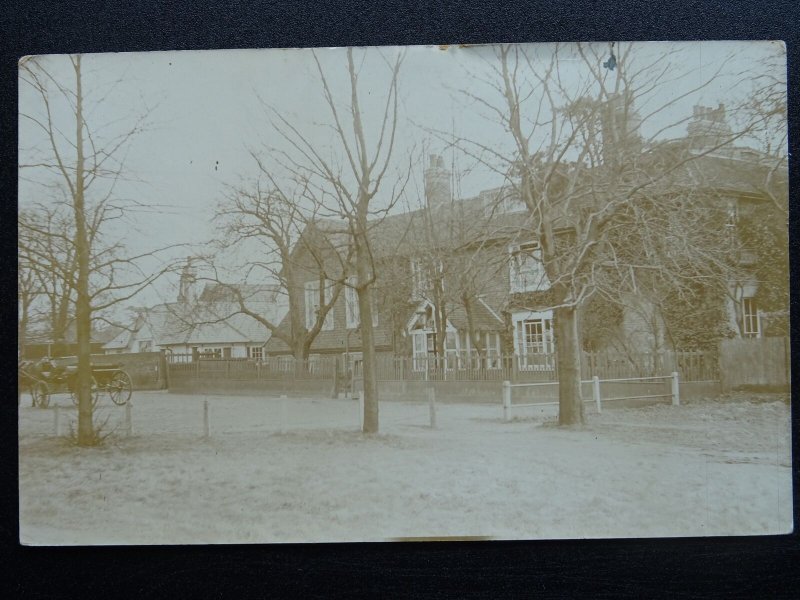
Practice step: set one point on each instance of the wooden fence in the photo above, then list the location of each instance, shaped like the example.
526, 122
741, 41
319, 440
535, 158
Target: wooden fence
755, 363
690, 365
335, 373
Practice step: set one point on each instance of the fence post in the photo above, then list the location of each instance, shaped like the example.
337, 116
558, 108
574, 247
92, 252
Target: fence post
676, 397
506, 401
361, 410
56, 418
596, 392
163, 367
432, 406
205, 418
128, 419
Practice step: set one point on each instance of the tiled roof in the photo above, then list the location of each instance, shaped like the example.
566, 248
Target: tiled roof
483, 318
206, 321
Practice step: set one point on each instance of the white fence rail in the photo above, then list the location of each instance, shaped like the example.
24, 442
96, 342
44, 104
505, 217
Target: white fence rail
671, 380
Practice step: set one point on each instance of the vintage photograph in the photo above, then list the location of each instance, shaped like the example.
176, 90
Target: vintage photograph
492, 292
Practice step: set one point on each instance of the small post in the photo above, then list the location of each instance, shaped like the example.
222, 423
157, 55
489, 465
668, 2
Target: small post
284, 398
128, 419
361, 410
596, 392
205, 418
676, 396
432, 406
506, 401
56, 418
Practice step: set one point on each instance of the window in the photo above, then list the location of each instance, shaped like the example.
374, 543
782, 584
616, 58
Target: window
351, 303
424, 349
492, 344
353, 317
527, 270
211, 353
420, 350
451, 350
312, 303
731, 218
354, 362
146, 346
533, 340
751, 320
421, 281
255, 352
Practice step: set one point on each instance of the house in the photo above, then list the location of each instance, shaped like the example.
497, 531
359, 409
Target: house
406, 246
204, 323
475, 258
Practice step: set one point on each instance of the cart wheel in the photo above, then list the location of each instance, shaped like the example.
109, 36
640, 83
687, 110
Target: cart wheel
119, 388
40, 393
94, 391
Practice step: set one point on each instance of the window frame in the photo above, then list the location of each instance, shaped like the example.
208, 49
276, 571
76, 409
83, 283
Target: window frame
521, 255
546, 345
312, 291
751, 318
352, 314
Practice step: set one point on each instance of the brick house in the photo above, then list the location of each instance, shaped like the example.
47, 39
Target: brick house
506, 307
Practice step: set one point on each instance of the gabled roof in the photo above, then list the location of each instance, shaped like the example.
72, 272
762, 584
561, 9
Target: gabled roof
212, 319
483, 317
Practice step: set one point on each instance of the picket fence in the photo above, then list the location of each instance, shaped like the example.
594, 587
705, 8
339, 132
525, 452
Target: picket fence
690, 365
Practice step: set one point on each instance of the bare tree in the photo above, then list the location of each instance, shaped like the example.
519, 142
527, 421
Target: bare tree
344, 184
586, 173
87, 167
46, 250
265, 222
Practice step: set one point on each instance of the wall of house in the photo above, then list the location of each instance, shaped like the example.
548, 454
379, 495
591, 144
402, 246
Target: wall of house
238, 349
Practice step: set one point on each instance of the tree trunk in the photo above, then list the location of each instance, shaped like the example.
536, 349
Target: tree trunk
570, 399
83, 311
439, 316
474, 336
370, 376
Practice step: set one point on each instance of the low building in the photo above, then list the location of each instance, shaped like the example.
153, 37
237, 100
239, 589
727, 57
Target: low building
207, 323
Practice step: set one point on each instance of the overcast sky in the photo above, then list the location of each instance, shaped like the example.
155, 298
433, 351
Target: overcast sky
207, 112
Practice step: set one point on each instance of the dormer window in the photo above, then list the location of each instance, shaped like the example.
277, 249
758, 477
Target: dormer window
527, 270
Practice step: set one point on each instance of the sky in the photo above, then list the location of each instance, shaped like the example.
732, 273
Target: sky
206, 111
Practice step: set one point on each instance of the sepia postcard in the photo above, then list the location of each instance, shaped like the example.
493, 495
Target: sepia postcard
492, 292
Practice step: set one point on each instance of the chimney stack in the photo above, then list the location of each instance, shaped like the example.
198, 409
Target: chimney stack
437, 183
186, 289
621, 124
708, 127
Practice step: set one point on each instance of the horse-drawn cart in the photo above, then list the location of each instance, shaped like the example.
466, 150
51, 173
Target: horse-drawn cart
45, 378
